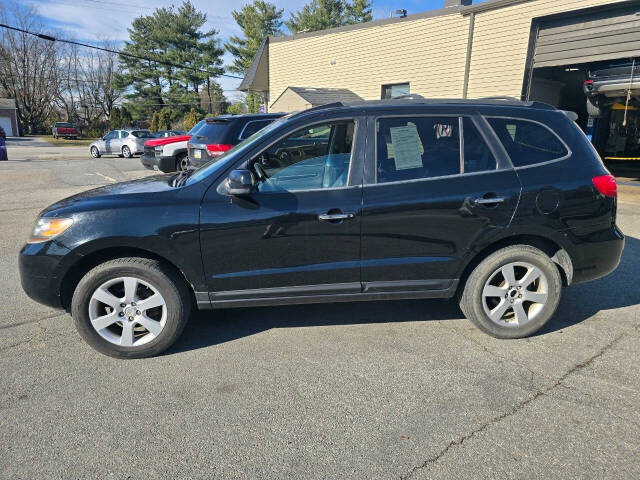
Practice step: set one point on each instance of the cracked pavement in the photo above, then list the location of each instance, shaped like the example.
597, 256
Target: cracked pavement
365, 390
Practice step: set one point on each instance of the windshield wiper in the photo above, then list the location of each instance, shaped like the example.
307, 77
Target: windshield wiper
179, 179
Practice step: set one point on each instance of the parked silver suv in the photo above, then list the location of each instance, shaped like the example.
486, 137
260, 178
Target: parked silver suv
125, 143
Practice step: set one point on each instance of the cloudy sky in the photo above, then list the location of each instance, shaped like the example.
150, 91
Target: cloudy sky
94, 20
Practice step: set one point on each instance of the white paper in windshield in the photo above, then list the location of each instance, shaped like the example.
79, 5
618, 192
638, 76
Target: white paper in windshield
406, 147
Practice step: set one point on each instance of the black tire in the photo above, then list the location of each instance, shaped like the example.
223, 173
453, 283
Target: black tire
95, 153
126, 152
182, 162
472, 301
594, 109
167, 283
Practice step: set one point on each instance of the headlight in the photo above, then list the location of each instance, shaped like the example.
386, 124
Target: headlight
48, 228
158, 149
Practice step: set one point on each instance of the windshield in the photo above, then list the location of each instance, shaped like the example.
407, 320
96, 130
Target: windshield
143, 134
63, 124
230, 155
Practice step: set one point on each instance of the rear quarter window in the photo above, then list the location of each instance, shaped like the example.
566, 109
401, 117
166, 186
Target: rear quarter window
527, 142
214, 132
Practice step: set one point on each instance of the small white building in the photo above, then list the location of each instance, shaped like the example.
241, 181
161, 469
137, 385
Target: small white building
9, 116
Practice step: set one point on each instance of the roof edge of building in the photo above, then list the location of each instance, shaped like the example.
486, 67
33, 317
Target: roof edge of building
374, 23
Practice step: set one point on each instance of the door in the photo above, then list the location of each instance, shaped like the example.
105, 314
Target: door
5, 122
110, 142
298, 234
439, 190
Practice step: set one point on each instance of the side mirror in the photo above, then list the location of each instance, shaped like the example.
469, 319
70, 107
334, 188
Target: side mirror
240, 182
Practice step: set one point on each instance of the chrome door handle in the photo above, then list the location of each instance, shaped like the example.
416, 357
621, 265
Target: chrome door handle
488, 201
332, 217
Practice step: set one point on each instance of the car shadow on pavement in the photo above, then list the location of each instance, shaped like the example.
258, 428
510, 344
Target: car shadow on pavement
580, 302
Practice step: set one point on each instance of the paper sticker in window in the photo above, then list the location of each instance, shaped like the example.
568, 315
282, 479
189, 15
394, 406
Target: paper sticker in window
406, 147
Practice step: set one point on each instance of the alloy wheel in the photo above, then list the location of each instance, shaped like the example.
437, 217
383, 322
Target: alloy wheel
127, 311
515, 294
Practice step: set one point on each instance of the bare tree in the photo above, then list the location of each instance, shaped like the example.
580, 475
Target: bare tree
87, 91
29, 68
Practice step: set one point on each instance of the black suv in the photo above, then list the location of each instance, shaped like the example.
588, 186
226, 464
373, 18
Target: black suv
500, 203
219, 134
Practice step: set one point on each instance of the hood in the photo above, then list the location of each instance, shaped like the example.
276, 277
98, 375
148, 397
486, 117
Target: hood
156, 142
110, 196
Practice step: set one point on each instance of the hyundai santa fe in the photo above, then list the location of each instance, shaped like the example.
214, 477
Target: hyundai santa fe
498, 203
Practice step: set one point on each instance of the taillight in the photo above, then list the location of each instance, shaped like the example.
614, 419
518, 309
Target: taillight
217, 149
606, 185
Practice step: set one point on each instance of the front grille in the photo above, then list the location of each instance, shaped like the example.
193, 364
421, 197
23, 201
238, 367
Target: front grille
150, 151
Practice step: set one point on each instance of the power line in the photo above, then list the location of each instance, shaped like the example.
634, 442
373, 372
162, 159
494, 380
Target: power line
117, 52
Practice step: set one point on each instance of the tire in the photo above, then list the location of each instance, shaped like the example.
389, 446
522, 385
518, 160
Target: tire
97, 302
126, 152
95, 153
593, 108
515, 314
182, 162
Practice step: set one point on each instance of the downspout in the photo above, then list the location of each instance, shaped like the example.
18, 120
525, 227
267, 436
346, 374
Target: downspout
467, 65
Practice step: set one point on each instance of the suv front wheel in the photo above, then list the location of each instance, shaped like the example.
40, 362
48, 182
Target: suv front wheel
131, 307
513, 292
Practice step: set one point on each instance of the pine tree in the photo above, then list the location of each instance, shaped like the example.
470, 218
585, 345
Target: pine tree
257, 20
323, 14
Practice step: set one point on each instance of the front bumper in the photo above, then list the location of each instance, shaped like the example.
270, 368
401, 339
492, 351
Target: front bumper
39, 266
164, 164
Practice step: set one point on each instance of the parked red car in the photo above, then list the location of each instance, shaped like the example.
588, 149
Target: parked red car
64, 129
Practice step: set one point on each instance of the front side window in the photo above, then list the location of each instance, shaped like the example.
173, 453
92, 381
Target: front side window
312, 158
111, 135
395, 90
526, 142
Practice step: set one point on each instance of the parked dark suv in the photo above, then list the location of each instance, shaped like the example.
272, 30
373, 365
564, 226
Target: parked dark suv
497, 202
219, 134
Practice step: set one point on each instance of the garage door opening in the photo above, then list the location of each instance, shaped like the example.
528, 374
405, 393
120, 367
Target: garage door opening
588, 62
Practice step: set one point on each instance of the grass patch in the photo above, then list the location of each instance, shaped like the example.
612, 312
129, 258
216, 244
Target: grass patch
80, 142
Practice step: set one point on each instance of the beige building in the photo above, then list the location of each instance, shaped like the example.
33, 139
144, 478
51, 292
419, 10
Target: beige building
517, 48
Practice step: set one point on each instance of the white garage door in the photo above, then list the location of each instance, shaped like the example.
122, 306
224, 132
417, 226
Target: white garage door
5, 122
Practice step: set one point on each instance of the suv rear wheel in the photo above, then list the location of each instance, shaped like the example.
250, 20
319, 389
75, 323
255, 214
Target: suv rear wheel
130, 307
513, 292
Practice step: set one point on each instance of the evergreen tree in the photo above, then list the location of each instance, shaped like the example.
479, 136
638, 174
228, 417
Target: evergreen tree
175, 36
257, 20
323, 14
191, 118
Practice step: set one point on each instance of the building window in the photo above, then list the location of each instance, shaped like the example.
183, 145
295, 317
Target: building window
395, 90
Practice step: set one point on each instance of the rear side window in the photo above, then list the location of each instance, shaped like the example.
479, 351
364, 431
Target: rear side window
526, 142
477, 155
417, 147
214, 132
427, 147
252, 127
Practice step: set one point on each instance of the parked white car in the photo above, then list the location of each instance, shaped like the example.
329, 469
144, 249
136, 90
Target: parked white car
124, 143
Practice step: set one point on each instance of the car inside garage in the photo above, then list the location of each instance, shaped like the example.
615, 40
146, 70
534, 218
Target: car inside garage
589, 62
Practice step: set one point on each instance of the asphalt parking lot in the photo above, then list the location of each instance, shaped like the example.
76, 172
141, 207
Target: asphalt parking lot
367, 390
